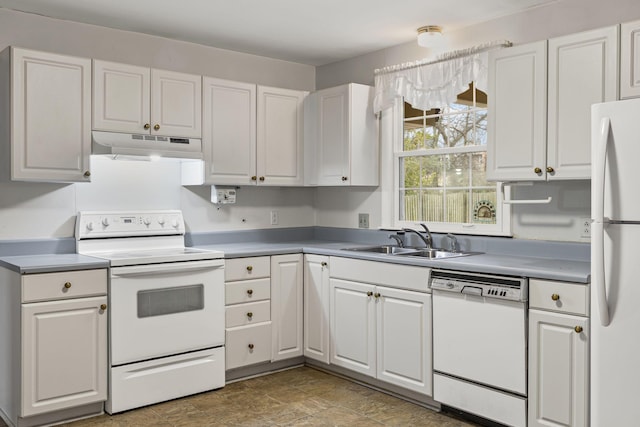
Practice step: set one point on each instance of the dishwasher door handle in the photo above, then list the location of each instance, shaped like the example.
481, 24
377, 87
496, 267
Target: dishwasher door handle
472, 290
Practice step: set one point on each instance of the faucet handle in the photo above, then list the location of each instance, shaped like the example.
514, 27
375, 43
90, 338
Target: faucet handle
454, 242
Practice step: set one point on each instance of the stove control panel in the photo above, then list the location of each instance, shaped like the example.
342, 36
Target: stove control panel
91, 225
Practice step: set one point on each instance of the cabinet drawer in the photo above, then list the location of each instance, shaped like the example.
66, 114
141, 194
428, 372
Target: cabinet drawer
569, 297
64, 285
247, 291
247, 345
248, 314
247, 268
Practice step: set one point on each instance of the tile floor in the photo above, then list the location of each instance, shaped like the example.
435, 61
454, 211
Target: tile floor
297, 397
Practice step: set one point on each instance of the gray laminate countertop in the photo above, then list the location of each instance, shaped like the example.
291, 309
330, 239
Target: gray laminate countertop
512, 265
49, 263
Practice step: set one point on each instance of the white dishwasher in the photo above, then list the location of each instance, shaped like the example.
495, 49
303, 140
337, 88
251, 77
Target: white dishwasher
480, 344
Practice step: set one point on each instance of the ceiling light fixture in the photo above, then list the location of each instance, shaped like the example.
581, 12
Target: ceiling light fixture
427, 33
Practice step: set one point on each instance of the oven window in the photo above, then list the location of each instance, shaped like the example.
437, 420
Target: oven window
158, 302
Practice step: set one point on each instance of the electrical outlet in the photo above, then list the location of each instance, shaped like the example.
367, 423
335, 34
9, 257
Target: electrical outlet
585, 227
274, 217
363, 220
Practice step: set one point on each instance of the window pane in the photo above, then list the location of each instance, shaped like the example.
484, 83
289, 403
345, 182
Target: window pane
432, 173
458, 206
457, 170
431, 204
479, 170
409, 205
410, 171
481, 127
484, 202
413, 135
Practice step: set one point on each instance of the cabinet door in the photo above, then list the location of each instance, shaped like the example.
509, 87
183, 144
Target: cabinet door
279, 136
333, 155
353, 335
176, 104
286, 306
558, 369
316, 307
51, 117
404, 339
630, 60
582, 71
517, 102
64, 354
229, 131
121, 97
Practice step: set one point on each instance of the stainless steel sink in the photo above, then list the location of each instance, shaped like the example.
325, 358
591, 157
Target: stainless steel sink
384, 249
417, 252
438, 254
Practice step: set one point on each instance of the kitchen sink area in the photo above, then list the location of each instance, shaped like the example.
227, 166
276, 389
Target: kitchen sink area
428, 253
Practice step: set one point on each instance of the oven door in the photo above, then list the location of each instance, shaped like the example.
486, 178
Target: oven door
164, 309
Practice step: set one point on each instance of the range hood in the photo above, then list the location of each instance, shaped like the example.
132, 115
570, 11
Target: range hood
142, 146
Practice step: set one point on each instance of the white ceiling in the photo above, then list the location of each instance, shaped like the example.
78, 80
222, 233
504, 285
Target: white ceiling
314, 32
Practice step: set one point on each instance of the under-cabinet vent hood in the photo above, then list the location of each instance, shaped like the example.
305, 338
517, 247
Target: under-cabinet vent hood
145, 146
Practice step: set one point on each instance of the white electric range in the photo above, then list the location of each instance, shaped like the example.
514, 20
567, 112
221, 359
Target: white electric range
166, 324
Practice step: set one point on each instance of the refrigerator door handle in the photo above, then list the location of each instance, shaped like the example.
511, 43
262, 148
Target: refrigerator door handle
600, 160
599, 223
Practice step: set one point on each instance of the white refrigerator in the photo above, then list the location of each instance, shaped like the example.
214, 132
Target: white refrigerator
615, 264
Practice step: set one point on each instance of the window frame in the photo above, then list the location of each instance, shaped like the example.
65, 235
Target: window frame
502, 227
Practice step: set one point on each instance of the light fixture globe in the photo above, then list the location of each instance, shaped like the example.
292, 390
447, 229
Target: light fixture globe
427, 33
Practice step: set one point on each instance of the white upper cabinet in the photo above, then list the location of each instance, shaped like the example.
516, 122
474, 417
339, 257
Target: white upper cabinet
252, 135
229, 131
134, 99
517, 120
49, 119
583, 70
630, 60
122, 97
279, 148
341, 137
539, 126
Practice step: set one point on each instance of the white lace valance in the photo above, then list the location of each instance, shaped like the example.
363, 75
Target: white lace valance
434, 84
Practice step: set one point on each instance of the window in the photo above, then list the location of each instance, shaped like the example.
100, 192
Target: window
441, 160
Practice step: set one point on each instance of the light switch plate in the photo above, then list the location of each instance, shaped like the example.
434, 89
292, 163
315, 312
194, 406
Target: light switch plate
363, 220
585, 227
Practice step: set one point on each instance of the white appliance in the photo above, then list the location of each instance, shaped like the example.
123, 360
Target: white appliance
166, 323
615, 270
480, 344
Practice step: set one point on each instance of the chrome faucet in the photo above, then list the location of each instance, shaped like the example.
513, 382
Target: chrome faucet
426, 230
397, 239
426, 239
454, 242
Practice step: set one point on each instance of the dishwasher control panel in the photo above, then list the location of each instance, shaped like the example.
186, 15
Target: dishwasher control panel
482, 285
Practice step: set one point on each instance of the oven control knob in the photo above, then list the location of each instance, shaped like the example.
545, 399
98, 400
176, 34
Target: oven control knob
175, 223
90, 226
146, 221
105, 221
450, 285
161, 220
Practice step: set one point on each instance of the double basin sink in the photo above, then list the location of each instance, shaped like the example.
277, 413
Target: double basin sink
429, 253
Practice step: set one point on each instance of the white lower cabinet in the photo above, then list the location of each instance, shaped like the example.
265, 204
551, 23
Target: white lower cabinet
64, 350
54, 344
558, 355
316, 307
263, 309
248, 311
286, 306
382, 331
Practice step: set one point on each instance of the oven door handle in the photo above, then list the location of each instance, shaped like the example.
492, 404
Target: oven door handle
173, 267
